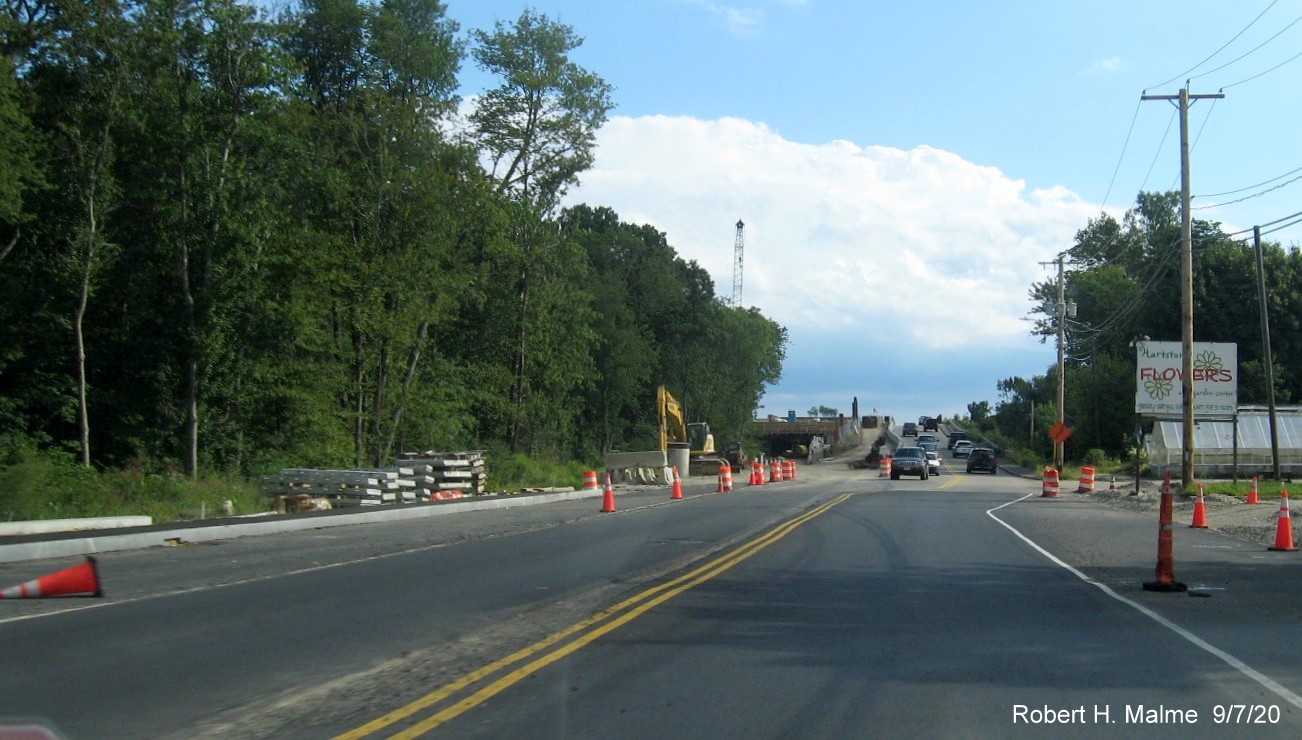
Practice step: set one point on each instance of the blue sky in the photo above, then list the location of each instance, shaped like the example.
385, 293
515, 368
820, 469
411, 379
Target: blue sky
903, 168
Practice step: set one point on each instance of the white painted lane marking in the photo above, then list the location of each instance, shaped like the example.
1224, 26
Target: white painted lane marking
1229, 660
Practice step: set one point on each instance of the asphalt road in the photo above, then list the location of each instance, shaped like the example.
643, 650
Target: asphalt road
839, 605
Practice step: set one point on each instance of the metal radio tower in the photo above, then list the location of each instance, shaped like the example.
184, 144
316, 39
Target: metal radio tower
738, 249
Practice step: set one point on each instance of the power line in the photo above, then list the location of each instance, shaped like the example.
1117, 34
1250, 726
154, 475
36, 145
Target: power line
1250, 187
1248, 197
1197, 137
1158, 153
1218, 51
1117, 169
1282, 227
1259, 74
1250, 51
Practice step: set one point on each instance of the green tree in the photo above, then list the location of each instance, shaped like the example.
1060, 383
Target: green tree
538, 128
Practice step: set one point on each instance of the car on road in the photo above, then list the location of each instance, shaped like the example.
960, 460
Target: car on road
955, 436
963, 448
931, 424
928, 442
982, 458
933, 462
910, 429
909, 461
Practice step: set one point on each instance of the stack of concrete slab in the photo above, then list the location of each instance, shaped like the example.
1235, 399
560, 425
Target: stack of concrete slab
339, 487
434, 473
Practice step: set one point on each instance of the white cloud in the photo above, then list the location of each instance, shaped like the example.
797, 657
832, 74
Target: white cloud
920, 245
740, 21
1111, 64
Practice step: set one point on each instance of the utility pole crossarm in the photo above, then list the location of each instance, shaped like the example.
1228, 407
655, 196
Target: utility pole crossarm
1177, 97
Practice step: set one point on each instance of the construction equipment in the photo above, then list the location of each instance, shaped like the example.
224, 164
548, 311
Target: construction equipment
674, 428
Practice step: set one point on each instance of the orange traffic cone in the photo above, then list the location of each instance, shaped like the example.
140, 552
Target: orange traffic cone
790, 472
885, 467
1253, 498
678, 485
725, 477
1165, 572
79, 580
608, 498
1200, 511
590, 481
1284, 526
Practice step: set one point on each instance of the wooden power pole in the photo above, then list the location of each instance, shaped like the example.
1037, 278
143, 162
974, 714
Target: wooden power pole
1186, 282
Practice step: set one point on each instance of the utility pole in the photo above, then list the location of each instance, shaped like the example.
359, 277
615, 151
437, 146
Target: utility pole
738, 250
1060, 311
1186, 282
1265, 352
1058, 452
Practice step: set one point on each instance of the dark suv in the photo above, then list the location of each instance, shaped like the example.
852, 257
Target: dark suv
909, 461
910, 429
931, 424
982, 458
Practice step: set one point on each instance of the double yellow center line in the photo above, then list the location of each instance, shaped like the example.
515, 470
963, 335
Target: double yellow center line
546, 651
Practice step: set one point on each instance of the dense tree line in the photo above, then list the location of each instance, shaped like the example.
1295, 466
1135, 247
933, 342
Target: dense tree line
1124, 278
232, 241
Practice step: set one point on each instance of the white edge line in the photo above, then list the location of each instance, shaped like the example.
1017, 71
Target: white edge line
1230, 660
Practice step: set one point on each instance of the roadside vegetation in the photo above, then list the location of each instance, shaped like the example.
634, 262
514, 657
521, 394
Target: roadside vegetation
1124, 280
233, 241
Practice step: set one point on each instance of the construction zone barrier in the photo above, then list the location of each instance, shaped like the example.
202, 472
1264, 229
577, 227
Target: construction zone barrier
677, 490
789, 470
1253, 497
79, 580
775, 472
590, 481
608, 497
725, 477
1086, 482
1049, 489
1284, 525
1200, 511
885, 467
756, 473
1165, 571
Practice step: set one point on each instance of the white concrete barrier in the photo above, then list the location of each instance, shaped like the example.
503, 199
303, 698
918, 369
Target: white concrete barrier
46, 526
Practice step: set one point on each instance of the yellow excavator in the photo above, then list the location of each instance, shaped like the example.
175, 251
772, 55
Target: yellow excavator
702, 458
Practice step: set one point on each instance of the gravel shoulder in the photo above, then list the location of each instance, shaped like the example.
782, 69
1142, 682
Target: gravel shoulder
1227, 514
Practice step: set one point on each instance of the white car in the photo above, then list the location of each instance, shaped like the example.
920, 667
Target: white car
963, 448
933, 463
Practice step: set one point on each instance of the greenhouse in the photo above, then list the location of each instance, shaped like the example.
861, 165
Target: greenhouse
1221, 453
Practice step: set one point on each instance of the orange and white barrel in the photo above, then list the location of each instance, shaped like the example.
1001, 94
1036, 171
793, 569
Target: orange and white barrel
1086, 479
1050, 487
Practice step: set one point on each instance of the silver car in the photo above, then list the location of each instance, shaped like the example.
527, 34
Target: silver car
933, 462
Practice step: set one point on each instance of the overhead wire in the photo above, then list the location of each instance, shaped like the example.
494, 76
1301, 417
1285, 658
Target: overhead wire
1197, 137
1250, 51
1120, 159
1246, 197
1218, 51
1250, 187
1158, 153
